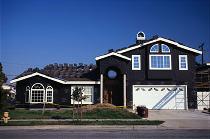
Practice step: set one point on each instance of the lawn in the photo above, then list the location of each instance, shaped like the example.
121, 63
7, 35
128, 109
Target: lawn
112, 122
96, 113
113, 114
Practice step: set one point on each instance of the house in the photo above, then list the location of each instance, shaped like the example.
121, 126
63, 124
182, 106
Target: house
158, 73
11, 90
54, 85
202, 86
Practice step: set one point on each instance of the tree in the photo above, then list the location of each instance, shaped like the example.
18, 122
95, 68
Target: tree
3, 79
77, 95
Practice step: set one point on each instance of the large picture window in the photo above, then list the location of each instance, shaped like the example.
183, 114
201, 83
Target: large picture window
136, 62
37, 93
87, 91
160, 62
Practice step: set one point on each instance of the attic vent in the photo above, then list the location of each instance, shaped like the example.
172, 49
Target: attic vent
140, 36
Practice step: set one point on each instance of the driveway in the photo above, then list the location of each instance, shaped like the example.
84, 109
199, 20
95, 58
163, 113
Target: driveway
193, 119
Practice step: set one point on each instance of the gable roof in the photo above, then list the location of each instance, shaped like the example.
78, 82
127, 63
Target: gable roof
35, 74
63, 73
112, 54
53, 79
156, 40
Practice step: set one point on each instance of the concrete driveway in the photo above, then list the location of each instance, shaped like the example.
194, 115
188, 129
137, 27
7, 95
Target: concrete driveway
193, 119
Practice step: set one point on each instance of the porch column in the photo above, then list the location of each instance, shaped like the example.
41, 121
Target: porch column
101, 89
124, 90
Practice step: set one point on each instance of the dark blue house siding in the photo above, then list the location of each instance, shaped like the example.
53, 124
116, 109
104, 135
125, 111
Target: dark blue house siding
145, 76
61, 92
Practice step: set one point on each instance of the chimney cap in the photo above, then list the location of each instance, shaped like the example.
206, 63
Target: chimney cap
140, 36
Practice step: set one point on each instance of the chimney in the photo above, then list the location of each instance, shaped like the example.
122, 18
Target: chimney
140, 37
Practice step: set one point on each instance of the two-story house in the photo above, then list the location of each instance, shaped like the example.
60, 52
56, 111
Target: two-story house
158, 73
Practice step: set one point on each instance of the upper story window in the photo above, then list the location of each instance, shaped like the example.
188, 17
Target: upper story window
154, 48
160, 62
165, 48
136, 62
183, 62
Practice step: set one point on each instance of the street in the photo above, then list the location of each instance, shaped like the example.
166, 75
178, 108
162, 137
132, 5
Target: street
102, 133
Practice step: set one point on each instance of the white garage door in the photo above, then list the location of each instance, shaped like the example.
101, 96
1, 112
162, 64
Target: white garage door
160, 97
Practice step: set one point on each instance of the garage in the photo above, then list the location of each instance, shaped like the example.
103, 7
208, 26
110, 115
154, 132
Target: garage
160, 96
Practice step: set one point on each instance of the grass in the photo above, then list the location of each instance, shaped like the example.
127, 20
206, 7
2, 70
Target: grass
33, 123
93, 113
97, 113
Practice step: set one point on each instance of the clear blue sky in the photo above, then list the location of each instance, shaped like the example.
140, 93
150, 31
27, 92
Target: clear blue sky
35, 33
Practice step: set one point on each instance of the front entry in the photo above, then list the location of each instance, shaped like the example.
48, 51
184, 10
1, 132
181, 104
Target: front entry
113, 87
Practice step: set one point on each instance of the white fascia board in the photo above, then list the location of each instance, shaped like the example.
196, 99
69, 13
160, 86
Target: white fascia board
112, 54
164, 40
180, 45
82, 82
53, 79
35, 74
129, 49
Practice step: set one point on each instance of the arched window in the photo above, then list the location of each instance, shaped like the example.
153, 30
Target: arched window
37, 93
27, 94
165, 48
49, 94
154, 48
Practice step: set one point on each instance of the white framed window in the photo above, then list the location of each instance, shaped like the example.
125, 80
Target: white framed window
165, 48
154, 48
49, 94
183, 62
37, 93
160, 62
27, 95
136, 62
87, 91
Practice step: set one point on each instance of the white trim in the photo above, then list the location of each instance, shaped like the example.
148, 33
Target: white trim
36, 74
150, 62
101, 89
82, 82
124, 90
186, 60
185, 95
208, 64
130, 48
54, 79
139, 59
112, 54
164, 40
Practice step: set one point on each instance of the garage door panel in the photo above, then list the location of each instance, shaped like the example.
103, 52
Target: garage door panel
159, 97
